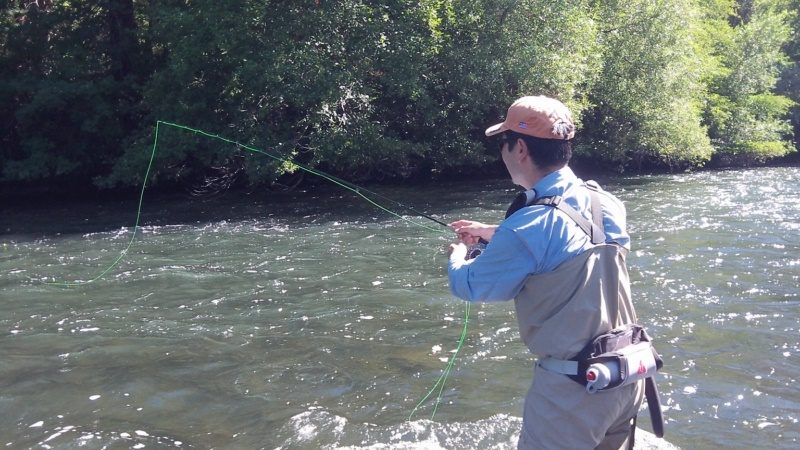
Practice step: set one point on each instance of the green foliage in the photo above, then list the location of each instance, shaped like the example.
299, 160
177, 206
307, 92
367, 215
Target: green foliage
645, 104
68, 87
789, 84
373, 90
746, 119
554, 49
367, 90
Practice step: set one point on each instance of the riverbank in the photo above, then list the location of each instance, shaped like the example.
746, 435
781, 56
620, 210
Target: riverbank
22, 194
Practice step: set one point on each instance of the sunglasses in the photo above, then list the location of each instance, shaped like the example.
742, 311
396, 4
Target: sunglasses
506, 138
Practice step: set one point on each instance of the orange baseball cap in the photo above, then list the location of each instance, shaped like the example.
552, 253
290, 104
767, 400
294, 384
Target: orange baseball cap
538, 116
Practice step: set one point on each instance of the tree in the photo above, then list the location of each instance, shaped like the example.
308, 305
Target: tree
789, 84
747, 120
375, 90
332, 85
68, 87
645, 106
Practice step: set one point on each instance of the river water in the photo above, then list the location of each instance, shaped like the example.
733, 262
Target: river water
315, 320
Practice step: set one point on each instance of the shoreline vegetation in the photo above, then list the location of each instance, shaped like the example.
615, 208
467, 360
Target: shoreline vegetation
382, 93
35, 196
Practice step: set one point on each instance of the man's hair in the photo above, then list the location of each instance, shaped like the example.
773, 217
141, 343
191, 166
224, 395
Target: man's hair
545, 153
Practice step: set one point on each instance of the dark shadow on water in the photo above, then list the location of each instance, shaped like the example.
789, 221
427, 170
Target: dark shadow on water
317, 203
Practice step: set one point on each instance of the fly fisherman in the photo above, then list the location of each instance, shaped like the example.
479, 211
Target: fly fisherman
566, 272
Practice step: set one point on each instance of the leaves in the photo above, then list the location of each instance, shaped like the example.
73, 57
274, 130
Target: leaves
744, 115
373, 90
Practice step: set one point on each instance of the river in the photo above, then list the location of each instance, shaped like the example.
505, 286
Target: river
315, 320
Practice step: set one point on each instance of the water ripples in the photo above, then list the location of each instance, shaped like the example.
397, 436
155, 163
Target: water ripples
716, 268
324, 327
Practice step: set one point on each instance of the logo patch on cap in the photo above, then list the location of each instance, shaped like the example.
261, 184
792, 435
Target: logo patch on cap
523, 124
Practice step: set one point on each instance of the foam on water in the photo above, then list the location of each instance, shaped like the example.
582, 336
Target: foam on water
318, 428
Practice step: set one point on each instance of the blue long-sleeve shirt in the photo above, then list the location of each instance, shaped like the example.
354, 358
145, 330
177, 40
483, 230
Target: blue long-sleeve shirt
535, 239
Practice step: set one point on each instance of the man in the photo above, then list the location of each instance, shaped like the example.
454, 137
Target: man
567, 290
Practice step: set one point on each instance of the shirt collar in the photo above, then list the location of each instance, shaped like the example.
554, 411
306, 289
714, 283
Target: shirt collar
553, 183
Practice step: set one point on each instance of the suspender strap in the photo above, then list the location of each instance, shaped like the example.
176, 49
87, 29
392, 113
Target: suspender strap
593, 229
597, 207
597, 218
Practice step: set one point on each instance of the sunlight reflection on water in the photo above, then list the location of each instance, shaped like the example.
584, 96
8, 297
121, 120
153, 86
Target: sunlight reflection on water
324, 327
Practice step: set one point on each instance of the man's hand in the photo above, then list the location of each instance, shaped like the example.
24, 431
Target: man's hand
470, 232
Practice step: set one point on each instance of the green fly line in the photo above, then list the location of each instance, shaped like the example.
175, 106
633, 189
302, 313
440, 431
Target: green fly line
438, 387
365, 194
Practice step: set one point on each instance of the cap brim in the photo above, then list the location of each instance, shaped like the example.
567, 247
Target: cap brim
496, 129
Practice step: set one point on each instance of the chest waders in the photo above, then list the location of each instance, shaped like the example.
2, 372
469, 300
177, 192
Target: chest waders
619, 357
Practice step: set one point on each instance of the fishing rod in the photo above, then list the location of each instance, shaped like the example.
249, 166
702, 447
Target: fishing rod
358, 189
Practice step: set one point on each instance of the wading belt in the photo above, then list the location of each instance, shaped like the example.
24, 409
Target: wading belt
618, 358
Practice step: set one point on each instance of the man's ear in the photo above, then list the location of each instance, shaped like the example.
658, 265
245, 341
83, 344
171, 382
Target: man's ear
522, 148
